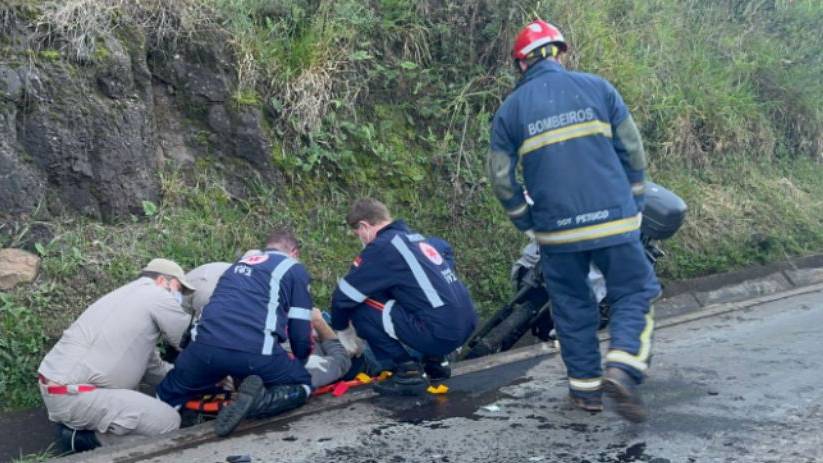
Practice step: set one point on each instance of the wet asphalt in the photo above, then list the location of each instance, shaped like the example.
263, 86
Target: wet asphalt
740, 387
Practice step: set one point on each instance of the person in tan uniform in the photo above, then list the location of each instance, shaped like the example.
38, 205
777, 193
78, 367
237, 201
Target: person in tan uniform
89, 379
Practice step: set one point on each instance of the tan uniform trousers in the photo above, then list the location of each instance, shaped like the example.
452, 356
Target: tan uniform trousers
115, 411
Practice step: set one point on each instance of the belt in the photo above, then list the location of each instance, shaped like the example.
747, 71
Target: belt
59, 389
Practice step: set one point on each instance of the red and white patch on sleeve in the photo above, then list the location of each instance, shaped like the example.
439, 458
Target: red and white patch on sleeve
431, 253
357, 261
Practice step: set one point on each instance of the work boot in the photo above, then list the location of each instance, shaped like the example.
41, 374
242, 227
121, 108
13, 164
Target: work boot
437, 368
241, 403
592, 404
407, 379
623, 389
253, 400
278, 399
74, 440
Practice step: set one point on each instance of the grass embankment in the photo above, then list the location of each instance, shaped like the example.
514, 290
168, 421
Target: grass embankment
393, 99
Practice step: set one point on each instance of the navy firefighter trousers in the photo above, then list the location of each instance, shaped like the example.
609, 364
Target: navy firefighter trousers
631, 287
200, 367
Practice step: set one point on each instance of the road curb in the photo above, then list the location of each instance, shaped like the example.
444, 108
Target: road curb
680, 297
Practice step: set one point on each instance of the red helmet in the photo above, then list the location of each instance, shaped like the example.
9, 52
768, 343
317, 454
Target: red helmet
535, 35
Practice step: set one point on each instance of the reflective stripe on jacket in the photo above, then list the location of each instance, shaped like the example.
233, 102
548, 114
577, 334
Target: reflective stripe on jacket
583, 162
259, 302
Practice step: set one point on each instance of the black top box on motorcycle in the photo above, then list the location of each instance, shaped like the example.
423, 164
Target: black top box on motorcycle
664, 212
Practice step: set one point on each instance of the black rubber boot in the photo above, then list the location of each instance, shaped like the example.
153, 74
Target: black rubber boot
622, 388
407, 379
437, 368
253, 400
74, 440
241, 404
278, 399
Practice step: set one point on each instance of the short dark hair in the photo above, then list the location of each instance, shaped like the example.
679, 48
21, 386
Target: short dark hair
367, 210
282, 237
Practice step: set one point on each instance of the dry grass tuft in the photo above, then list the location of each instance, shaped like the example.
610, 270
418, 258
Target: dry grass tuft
685, 144
81, 24
307, 98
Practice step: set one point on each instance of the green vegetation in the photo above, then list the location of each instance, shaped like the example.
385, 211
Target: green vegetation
393, 98
21, 345
35, 457
51, 55
246, 98
744, 212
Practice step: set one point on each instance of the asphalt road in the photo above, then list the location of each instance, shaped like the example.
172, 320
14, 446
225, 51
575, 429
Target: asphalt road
740, 387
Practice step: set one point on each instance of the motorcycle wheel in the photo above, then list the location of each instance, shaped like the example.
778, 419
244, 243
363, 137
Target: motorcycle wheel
506, 333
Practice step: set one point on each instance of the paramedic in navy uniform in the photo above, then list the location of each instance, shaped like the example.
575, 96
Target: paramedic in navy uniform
404, 298
259, 302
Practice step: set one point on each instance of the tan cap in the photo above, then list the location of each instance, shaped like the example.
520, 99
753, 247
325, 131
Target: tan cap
170, 268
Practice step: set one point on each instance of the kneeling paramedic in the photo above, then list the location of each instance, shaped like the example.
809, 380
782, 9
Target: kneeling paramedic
402, 294
328, 362
259, 302
583, 165
89, 380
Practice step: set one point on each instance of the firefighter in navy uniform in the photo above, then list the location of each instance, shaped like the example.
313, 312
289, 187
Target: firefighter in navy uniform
404, 298
583, 166
259, 302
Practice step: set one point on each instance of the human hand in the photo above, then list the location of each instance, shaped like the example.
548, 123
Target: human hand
227, 384
324, 331
316, 316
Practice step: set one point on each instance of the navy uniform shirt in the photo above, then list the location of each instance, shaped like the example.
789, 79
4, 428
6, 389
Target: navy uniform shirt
259, 302
404, 266
583, 162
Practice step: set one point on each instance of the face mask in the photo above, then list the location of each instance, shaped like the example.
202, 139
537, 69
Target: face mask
177, 295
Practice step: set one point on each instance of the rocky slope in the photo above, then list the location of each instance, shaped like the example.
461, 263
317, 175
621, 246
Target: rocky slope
87, 134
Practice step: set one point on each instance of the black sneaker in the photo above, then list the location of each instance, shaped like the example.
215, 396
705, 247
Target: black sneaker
622, 388
588, 404
74, 440
407, 380
437, 369
241, 403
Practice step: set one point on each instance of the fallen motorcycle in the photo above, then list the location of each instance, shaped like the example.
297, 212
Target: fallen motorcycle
530, 307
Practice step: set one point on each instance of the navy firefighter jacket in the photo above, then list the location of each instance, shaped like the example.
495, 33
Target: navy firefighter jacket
259, 302
417, 274
583, 160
